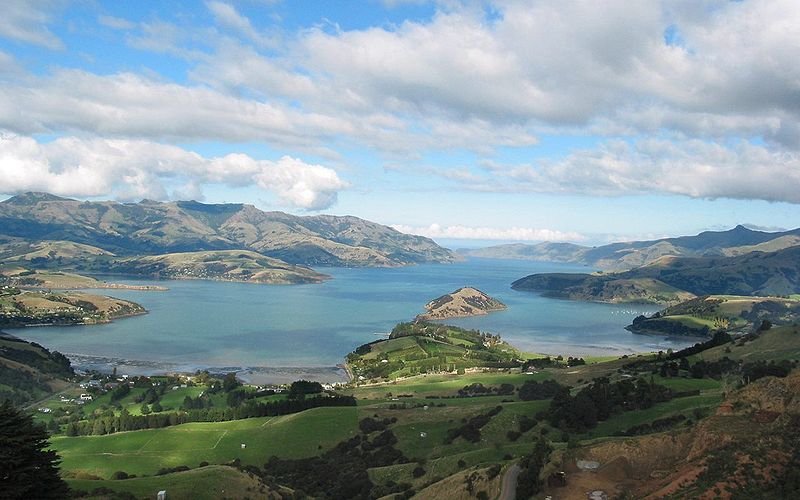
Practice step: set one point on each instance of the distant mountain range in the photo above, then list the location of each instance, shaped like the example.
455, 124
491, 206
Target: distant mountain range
63, 228
627, 255
669, 280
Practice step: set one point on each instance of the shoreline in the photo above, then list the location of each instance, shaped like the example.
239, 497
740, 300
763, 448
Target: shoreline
81, 323
479, 312
99, 286
257, 375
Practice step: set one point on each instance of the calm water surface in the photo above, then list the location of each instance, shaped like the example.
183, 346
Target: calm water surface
206, 324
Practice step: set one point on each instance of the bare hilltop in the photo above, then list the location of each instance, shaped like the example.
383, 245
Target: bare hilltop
465, 301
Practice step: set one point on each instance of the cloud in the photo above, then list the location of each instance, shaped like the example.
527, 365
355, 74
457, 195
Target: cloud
557, 67
132, 170
226, 15
116, 23
489, 233
130, 105
655, 73
688, 167
27, 21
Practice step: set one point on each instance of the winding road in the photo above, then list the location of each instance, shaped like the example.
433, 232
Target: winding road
508, 489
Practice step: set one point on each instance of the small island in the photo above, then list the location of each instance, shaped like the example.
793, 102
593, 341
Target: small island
464, 302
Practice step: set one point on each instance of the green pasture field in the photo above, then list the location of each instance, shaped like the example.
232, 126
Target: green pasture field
779, 343
443, 385
144, 452
688, 384
691, 321
436, 421
206, 483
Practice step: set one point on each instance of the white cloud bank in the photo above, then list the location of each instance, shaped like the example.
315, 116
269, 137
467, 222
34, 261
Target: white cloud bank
690, 167
437, 231
132, 170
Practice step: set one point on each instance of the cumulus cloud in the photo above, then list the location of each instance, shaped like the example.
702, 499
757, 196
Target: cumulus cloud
490, 233
132, 170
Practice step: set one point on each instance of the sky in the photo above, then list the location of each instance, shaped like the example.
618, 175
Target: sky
472, 122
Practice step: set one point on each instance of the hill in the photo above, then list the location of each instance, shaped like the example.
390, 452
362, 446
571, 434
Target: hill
150, 228
626, 255
29, 372
35, 308
670, 280
422, 347
222, 265
704, 315
466, 301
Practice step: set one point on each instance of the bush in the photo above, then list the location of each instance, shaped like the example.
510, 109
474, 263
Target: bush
418, 472
119, 475
513, 435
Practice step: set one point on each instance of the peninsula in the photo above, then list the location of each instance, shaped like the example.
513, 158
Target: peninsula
20, 308
464, 302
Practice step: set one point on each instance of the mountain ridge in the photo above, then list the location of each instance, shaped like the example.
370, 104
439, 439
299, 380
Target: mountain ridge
671, 280
627, 255
151, 227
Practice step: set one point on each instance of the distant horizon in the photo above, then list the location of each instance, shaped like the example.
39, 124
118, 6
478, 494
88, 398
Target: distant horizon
467, 243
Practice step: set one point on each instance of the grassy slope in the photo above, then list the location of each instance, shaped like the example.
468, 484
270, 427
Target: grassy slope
777, 344
431, 348
721, 312
144, 452
207, 483
299, 435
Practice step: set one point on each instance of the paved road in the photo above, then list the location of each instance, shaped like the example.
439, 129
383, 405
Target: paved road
509, 487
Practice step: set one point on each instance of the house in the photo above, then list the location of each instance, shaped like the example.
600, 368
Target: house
86, 397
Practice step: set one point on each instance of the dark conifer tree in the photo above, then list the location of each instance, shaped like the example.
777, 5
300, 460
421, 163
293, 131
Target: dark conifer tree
27, 468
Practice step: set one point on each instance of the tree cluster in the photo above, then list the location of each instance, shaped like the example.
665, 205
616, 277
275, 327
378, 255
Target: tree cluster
528, 481
342, 471
600, 400
471, 428
531, 390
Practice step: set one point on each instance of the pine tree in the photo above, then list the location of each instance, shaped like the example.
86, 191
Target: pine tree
27, 468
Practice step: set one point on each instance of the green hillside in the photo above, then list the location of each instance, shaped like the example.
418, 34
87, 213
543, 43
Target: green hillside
704, 315
423, 347
670, 280
29, 372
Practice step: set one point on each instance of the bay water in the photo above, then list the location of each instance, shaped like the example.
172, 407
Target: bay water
285, 330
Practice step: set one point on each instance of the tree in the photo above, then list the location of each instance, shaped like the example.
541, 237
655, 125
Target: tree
27, 468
